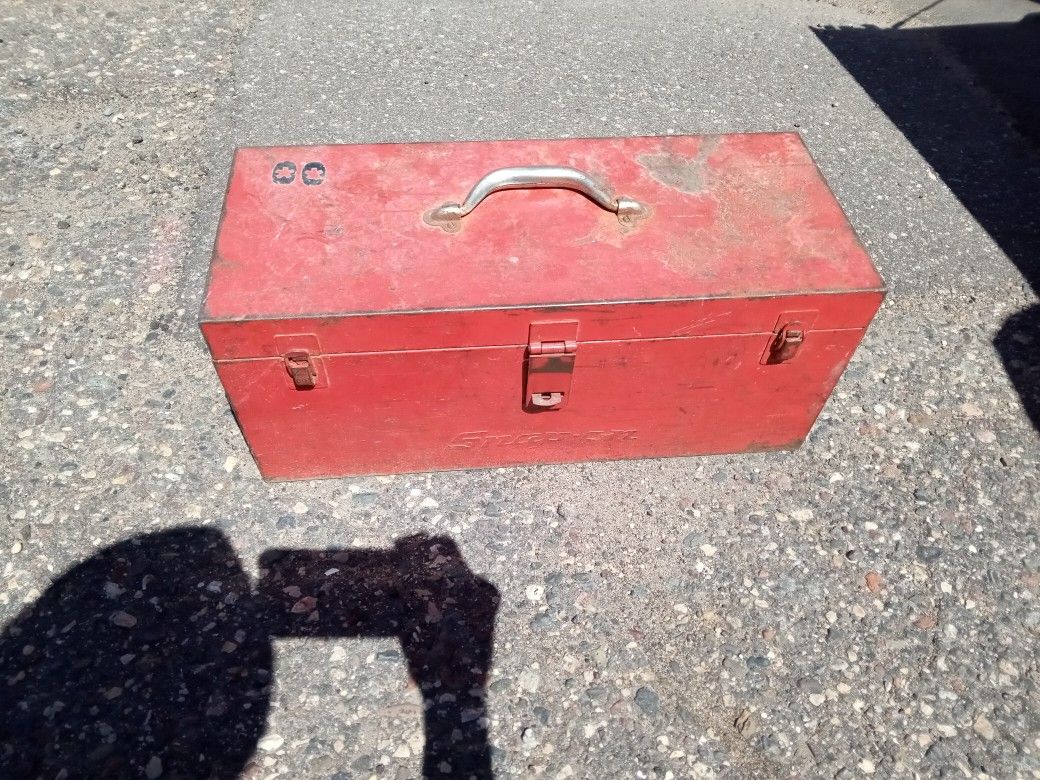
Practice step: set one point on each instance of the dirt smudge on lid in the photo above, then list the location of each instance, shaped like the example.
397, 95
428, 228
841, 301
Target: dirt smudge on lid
685, 174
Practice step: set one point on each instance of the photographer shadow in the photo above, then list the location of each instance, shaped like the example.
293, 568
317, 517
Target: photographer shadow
154, 656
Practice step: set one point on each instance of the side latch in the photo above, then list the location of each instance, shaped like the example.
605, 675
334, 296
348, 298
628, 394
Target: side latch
300, 367
785, 343
302, 360
549, 364
789, 334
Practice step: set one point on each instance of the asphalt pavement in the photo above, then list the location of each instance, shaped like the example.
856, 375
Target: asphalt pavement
864, 606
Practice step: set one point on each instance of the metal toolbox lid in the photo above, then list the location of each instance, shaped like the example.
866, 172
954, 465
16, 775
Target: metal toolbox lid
348, 229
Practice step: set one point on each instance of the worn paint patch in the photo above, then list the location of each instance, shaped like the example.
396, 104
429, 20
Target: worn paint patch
675, 171
686, 174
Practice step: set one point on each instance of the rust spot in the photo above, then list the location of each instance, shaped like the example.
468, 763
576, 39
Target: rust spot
762, 446
686, 174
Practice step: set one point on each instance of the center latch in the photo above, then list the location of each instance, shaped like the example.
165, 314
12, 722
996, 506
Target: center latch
549, 364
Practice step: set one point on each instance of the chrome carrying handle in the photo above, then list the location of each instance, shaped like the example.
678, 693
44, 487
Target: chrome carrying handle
531, 177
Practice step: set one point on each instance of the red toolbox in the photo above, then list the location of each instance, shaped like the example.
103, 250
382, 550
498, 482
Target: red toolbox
413, 307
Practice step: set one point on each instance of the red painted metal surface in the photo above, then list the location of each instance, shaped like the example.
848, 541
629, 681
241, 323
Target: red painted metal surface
353, 337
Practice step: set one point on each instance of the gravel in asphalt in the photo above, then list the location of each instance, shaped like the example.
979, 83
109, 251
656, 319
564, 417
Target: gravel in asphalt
865, 606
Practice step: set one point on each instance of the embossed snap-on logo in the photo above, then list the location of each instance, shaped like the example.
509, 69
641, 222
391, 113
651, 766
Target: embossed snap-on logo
487, 439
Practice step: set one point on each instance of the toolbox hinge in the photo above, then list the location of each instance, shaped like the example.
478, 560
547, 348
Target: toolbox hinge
552, 347
551, 351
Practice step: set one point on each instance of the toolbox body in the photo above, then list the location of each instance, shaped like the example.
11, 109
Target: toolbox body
694, 295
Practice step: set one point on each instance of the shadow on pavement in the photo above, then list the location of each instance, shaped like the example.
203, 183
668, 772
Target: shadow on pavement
153, 657
956, 92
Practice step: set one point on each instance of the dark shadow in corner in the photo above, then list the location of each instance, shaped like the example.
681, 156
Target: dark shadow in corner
155, 653
966, 97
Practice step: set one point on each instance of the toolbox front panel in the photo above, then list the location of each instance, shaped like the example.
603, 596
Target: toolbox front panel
427, 410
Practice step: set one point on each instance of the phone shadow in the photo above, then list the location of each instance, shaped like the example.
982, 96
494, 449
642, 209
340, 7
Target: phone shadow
154, 656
